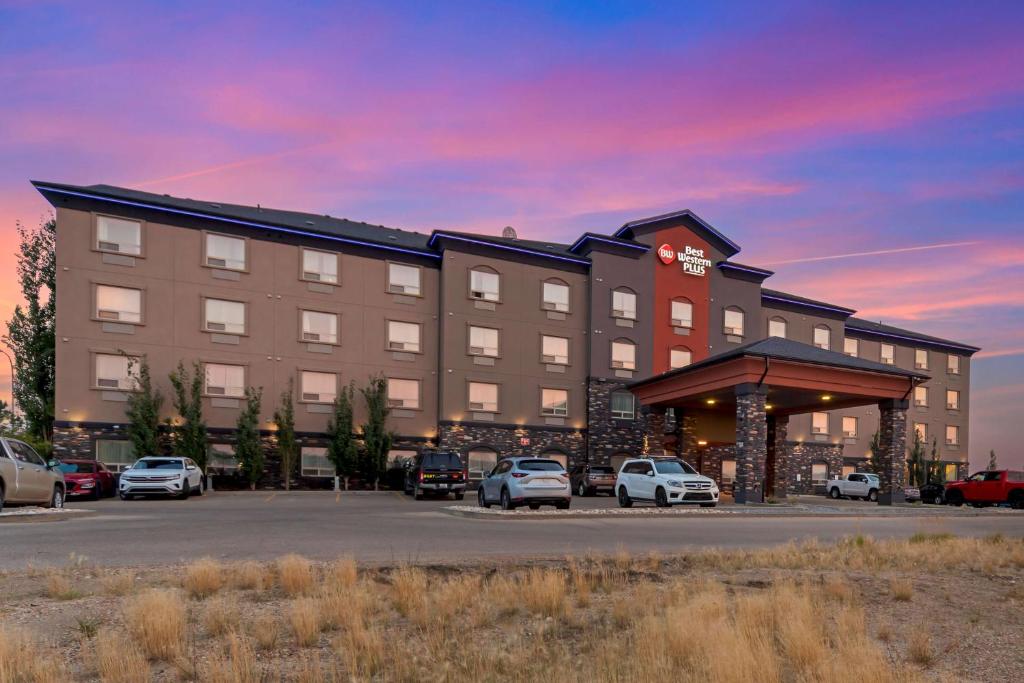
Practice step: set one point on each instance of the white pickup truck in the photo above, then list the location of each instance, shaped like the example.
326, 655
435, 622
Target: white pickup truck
855, 485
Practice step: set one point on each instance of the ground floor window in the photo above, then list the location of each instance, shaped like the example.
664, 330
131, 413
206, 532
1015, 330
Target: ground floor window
481, 462
558, 456
618, 459
315, 462
115, 454
819, 473
952, 473
728, 472
848, 469
221, 456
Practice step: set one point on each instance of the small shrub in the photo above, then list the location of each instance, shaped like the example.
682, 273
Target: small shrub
919, 647
204, 578
295, 574
59, 587
902, 590
156, 621
88, 626
931, 537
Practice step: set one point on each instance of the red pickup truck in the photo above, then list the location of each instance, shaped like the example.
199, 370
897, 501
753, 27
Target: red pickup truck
988, 488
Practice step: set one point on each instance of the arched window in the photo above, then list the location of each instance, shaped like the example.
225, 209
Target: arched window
624, 303
682, 312
556, 455
733, 321
555, 295
777, 326
679, 357
481, 461
484, 284
623, 354
822, 337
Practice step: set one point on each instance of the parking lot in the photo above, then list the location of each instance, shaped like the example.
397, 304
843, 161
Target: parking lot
389, 527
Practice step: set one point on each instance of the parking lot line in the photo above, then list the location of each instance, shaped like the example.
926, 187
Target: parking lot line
269, 498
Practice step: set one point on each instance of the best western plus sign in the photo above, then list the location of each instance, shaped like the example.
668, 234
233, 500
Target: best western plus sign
693, 260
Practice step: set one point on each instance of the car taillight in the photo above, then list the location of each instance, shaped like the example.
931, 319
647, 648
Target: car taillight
421, 475
519, 475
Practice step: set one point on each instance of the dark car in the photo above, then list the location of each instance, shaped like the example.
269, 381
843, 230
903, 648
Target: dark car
87, 478
933, 493
436, 472
590, 479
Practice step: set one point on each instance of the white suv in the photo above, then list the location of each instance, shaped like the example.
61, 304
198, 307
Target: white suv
171, 475
666, 481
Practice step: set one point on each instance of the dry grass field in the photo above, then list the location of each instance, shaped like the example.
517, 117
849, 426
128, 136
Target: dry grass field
933, 608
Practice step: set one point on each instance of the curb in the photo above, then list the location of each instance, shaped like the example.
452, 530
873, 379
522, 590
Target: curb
40, 518
677, 514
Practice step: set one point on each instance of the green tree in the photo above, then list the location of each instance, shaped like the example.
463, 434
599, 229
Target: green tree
30, 331
248, 449
376, 437
287, 445
993, 464
10, 423
937, 473
875, 453
341, 443
916, 463
143, 410
190, 431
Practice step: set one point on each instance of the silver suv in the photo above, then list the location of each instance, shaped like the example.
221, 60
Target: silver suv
26, 478
533, 481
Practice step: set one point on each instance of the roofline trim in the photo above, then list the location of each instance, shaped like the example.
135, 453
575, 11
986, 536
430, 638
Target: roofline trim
599, 238
748, 269
676, 214
796, 302
932, 342
507, 247
237, 221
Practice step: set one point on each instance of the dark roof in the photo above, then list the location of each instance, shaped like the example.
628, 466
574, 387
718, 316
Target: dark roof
787, 349
867, 327
578, 245
744, 272
533, 246
776, 296
705, 229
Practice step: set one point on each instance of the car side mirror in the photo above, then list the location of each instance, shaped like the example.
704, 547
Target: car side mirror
191, 468
650, 474
51, 464
407, 464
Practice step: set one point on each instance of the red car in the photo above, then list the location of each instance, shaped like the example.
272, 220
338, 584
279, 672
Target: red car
988, 488
87, 478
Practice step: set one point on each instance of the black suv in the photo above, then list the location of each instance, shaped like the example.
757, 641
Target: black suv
439, 472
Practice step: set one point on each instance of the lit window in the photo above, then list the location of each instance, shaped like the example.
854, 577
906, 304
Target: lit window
554, 402
819, 423
953, 364
777, 327
318, 387
851, 347
115, 371
921, 396
555, 296
403, 393
224, 316
623, 405
403, 279
952, 399
554, 350
319, 266
819, 473
682, 313
118, 235
922, 430
315, 462
221, 456
888, 354
733, 322
849, 426
223, 251
484, 285
624, 304
224, 380
920, 359
481, 462
952, 435
483, 341
120, 304
116, 455
403, 336
822, 337
728, 471
483, 396
951, 473
848, 469
623, 354
679, 357
320, 327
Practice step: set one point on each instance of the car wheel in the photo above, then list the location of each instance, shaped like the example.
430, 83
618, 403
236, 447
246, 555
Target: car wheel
199, 489
481, 498
1, 498
624, 500
417, 494
184, 491
581, 490
123, 496
57, 498
873, 495
938, 499
661, 498
833, 493
534, 506
506, 500
955, 498
563, 505
1016, 500
458, 496
97, 492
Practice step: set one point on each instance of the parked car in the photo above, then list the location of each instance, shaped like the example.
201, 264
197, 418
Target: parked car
168, 476
87, 478
436, 472
855, 485
666, 481
911, 494
933, 493
992, 487
530, 481
590, 479
28, 479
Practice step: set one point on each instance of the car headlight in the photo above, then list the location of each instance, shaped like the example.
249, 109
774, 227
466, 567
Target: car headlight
674, 482
87, 483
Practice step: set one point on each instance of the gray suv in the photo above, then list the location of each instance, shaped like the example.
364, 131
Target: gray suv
531, 481
26, 478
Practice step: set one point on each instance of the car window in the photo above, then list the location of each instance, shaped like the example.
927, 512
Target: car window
77, 467
856, 477
993, 476
977, 476
673, 467
450, 460
541, 465
502, 467
25, 453
158, 464
601, 469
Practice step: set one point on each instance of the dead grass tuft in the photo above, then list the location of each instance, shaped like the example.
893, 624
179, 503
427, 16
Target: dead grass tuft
919, 647
902, 590
204, 577
117, 582
342, 573
544, 592
295, 574
118, 660
156, 621
304, 618
23, 659
266, 631
409, 593
221, 616
59, 587
237, 665
251, 576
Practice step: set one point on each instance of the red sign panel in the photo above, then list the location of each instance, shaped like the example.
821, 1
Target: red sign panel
667, 254
524, 441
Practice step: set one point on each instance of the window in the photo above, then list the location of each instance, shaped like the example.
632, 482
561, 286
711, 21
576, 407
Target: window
558, 456
554, 350
921, 397
920, 359
319, 266
221, 456
116, 455
318, 387
624, 304
888, 354
952, 473
120, 304
682, 313
224, 316
481, 462
484, 285
679, 357
315, 462
118, 235
623, 405
403, 279
819, 423
403, 336
404, 393
822, 337
849, 426
952, 435
554, 402
115, 371
728, 471
952, 399
733, 322
848, 469
617, 460
953, 364
777, 327
851, 347
922, 430
320, 327
483, 397
224, 251
819, 473
483, 341
224, 380
624, 354
555, 296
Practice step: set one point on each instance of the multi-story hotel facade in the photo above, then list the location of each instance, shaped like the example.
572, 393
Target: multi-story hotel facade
491, 346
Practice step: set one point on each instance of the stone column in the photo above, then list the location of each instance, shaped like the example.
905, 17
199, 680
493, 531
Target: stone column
780, 464
751, 443
892, 437
687, 438
654, 429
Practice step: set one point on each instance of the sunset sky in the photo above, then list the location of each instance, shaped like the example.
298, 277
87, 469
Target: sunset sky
873, 157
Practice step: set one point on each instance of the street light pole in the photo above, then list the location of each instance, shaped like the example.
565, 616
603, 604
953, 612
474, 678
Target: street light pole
14, 400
